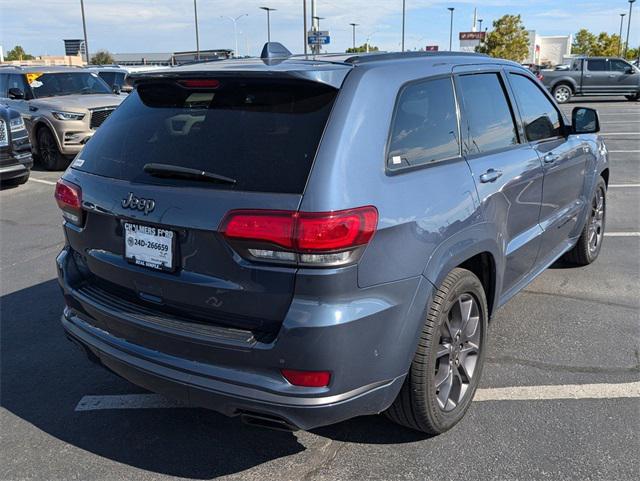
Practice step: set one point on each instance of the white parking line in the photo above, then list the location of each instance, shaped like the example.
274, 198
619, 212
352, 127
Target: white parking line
42, 181
516, 393
623, 151
623, 185
619, 133
622, 234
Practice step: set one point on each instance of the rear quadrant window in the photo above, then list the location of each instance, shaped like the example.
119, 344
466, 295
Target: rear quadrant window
425, 125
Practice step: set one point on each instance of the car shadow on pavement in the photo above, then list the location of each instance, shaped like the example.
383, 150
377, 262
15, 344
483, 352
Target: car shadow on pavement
43, 376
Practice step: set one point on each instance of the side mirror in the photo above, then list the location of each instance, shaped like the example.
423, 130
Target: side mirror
630, 70
116, 89
15, 93
585, 121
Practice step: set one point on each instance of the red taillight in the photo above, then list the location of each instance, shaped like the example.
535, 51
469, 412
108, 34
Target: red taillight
307, 378
307, 237
200, 83
69, 198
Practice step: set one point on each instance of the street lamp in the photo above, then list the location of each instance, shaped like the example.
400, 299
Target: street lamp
451, 9
626, 43
317, 19
235, 28
84, 28
368, 39
404, 10
354, 25
622, 15
480, 25
195, 15
268, 10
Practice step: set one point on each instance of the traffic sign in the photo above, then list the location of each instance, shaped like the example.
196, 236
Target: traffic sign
320, 37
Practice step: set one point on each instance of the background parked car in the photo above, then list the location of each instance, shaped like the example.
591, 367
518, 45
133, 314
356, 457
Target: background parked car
15, 150
594, 76
117, 78
61, 106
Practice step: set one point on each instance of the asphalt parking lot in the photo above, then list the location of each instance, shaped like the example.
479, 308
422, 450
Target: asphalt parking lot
559, 399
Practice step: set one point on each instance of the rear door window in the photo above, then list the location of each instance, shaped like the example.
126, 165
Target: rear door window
425, 125
487, 114
541, 119
262, 133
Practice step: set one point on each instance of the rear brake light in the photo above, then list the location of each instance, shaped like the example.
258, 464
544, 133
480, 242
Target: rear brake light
306, 237
200, 83
69, 198
307, 378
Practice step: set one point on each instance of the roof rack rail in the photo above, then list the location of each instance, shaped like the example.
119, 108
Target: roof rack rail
378, 56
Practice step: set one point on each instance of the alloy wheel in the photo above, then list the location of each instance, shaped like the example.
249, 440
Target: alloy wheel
458, 352
562, 94
596, 221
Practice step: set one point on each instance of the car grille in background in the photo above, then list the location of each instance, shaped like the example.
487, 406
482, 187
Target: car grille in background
100, 115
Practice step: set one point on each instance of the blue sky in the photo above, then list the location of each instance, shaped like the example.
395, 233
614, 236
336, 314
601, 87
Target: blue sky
167, 25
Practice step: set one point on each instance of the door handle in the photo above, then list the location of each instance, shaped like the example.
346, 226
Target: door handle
550, 158
611, 75
490, 175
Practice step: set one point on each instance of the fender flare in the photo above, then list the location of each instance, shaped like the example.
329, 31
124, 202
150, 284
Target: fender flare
36, 124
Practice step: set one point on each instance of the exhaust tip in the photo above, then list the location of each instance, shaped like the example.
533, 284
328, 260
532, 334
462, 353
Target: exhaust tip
266, 421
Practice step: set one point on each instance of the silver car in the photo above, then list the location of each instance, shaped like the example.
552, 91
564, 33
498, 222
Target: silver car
62, 107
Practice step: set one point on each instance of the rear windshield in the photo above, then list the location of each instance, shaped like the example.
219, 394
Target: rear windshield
262, 133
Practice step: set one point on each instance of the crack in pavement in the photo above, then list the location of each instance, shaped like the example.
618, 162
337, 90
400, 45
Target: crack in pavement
562, 367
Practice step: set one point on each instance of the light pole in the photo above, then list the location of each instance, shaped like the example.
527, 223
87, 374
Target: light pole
354, 25
84, 28
451, 9
304, 22
268, 10
404, 9
317, 19
195, 15
622, 15
235, 28
368, 39
626, 43
480, 25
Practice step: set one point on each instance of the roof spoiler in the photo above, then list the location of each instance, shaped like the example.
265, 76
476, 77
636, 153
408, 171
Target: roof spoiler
274, 50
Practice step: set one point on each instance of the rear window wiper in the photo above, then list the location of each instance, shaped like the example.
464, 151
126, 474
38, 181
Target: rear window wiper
177, 171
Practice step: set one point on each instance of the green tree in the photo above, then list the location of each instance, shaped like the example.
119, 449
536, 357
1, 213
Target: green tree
18, 53
606, 45
508, 39
584, 43
102, 57
363, 48
632, 53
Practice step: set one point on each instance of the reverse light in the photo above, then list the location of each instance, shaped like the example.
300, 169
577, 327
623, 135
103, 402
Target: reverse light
307, 238
307, 378
69, 198
67, 115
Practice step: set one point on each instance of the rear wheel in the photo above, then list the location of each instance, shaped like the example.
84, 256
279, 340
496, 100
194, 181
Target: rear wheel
447, 365
562, 93
50, 156
590, 242
634, 97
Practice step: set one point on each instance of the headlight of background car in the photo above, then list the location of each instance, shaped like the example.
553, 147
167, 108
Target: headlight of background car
67, 115
16, 124
4, 136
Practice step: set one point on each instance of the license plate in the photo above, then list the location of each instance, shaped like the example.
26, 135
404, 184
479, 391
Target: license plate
149, 246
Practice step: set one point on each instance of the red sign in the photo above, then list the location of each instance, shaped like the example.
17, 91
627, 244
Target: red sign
431, 48
471, 35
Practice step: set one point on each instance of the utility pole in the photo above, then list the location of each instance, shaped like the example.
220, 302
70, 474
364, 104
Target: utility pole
451, 9
268, 10
354, 25
622, 15
195, 15
626, 43
304, 21
480, 25
84, 28
404, 9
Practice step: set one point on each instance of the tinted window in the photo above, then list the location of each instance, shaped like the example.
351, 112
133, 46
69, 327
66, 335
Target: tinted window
541, 119
109, 77
487, 113
262, 133
425, 126
3, 85
596, 65
619, 65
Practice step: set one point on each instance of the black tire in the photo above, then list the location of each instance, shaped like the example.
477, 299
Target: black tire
49, 154
633, 98
419, 404
562, 93
588, 247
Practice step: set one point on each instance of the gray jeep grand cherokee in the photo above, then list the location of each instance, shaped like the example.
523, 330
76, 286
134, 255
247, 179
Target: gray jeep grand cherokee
300, 240
61, 106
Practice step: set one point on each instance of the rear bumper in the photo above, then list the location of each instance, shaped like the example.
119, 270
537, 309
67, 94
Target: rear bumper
367, 351
12, 166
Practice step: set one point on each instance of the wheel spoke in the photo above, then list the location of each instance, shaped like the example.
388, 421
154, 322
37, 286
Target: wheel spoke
465, 311
444, 348
445, 389
444, 371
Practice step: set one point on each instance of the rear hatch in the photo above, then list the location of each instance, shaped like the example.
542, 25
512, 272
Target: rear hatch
149, 228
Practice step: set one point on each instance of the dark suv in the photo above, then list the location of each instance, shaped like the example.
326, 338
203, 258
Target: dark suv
300, 240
